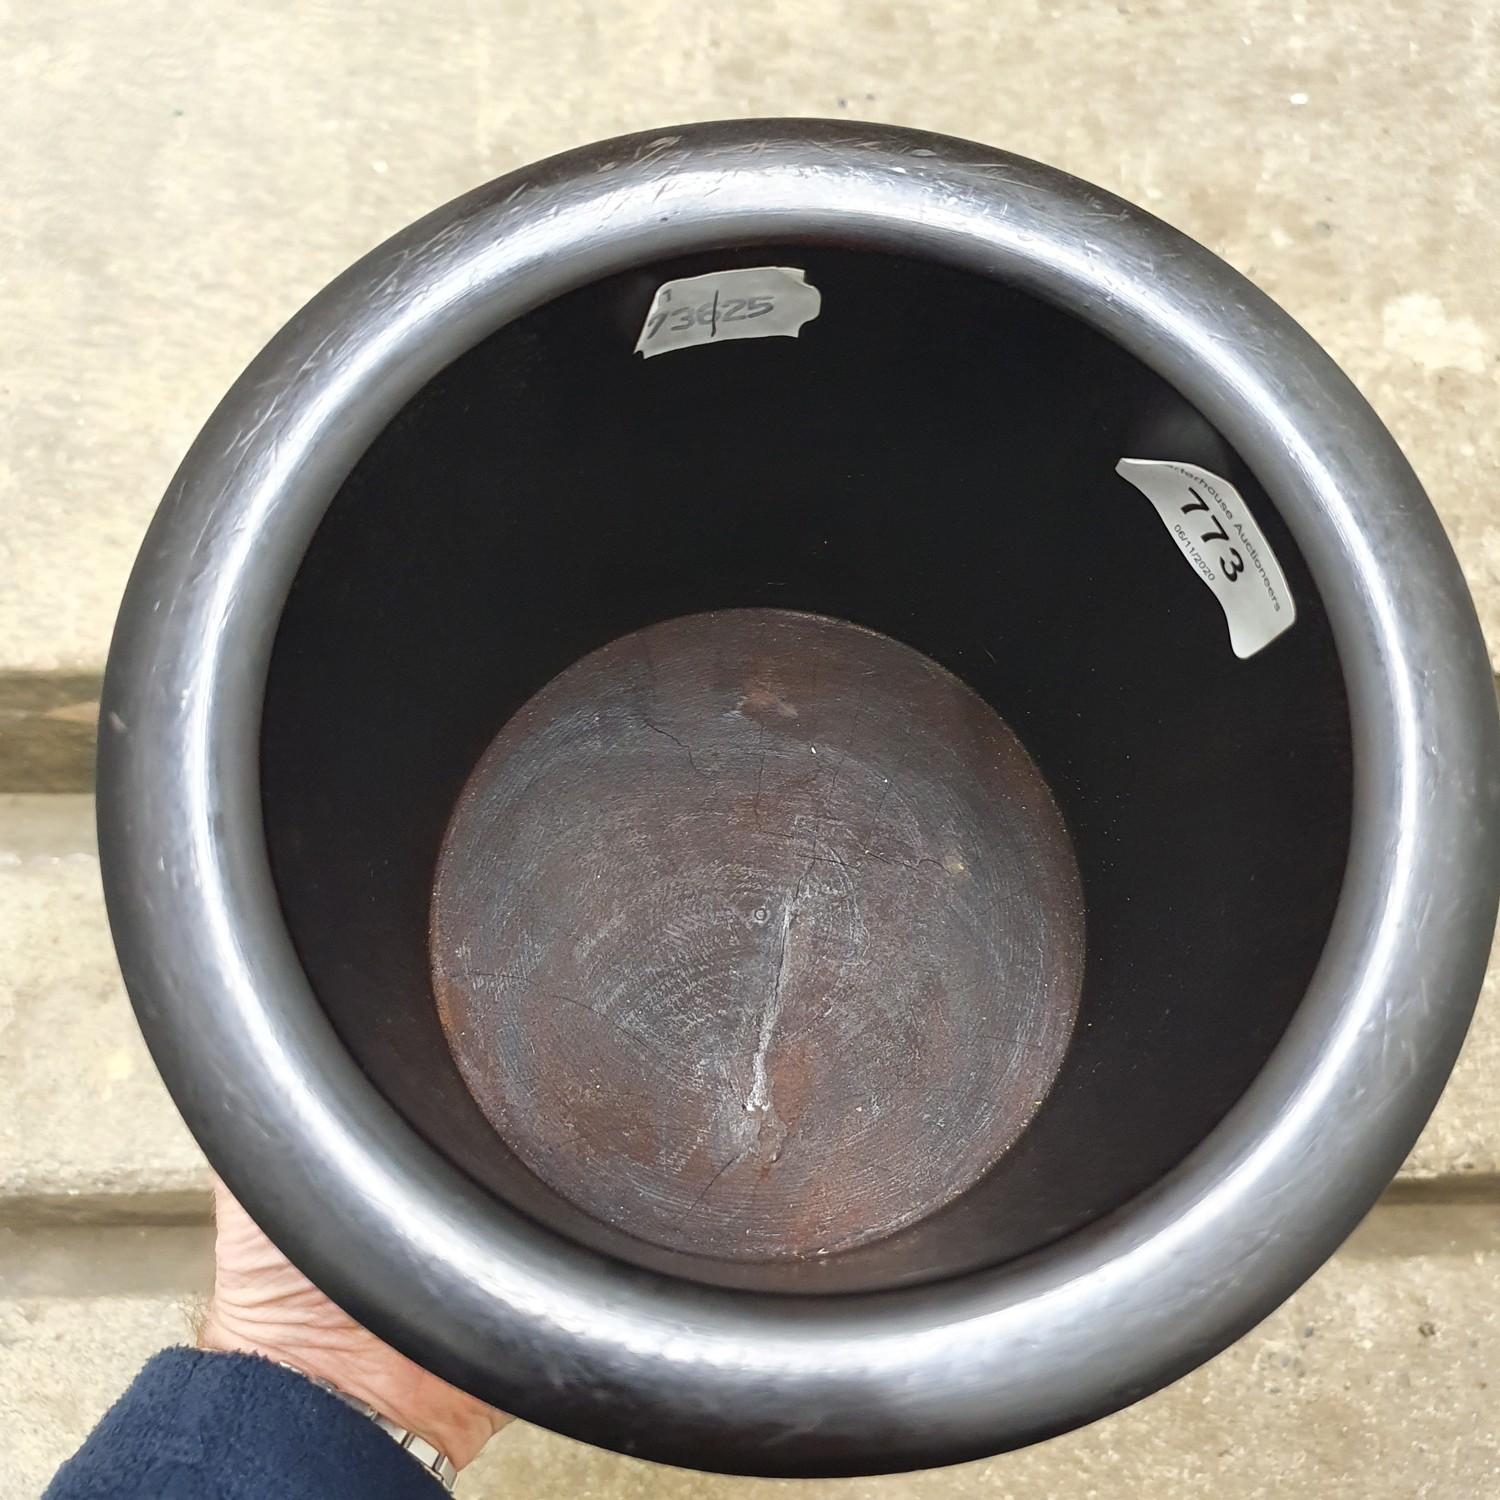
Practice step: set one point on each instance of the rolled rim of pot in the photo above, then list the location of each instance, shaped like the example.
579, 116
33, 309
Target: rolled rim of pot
673, 1370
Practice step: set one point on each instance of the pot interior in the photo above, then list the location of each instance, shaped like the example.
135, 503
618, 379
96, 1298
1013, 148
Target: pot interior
1150, 831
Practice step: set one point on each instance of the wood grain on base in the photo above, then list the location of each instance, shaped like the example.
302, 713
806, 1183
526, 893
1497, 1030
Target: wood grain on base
757, 934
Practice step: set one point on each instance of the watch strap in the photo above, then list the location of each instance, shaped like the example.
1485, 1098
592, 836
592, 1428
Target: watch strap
428, 1455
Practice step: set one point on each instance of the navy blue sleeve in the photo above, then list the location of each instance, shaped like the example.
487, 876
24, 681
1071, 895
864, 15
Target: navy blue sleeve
201, 1426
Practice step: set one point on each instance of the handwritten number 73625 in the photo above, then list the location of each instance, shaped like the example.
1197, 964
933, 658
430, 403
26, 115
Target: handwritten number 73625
1232, 570
710, 314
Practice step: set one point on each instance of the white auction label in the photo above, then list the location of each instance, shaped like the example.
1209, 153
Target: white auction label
1213, 528
751, 302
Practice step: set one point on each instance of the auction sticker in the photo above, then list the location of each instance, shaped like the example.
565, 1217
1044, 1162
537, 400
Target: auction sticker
1214, 530
750, 302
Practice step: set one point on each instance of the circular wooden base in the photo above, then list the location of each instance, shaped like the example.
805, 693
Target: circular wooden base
757, 935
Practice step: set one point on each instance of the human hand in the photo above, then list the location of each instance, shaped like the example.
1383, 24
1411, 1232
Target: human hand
263, 1305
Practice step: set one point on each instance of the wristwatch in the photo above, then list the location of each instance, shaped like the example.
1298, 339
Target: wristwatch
430, 1457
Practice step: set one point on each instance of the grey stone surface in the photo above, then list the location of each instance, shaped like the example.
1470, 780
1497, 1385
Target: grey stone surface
87, 1123
80, 1311
1377, 1381
90, 1132
62, 1361
180, 179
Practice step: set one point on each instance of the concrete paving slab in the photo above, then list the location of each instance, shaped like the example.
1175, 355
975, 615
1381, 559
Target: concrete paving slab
180, 182
1378, 1380
87, 1125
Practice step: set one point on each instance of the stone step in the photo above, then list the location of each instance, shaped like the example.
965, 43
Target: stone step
1376, 1381
228, 206
47, 731
88, 1128
89, 1131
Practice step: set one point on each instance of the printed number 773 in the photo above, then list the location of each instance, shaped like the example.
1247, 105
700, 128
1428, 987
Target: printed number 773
1232, 570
